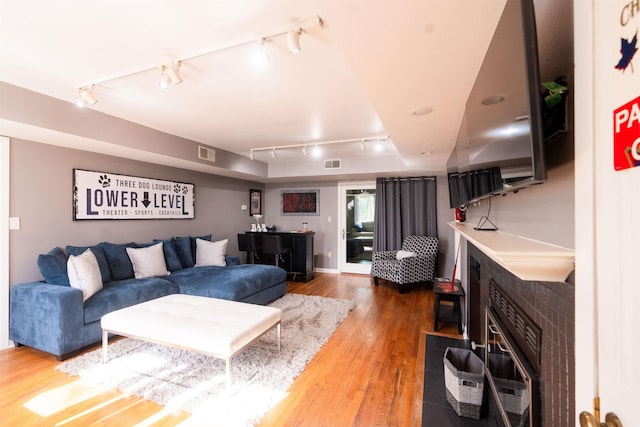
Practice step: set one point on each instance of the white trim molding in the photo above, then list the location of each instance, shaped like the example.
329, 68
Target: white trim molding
4, 241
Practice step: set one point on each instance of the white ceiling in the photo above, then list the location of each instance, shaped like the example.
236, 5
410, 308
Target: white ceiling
360, 75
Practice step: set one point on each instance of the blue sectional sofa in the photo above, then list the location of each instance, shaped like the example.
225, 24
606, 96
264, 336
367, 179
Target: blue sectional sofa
50, 315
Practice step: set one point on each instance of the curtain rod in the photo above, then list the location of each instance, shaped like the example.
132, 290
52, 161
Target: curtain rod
412, 178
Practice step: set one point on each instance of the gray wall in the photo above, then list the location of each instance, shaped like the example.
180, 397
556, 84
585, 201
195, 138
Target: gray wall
41, 196
326, 238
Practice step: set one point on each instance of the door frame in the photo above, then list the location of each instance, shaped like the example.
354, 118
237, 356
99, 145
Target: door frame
4, 240
343, 266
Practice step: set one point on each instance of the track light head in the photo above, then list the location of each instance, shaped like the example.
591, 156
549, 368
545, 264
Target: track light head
86, 96
304, 150
251, 155
293, 40
169, 75
362, 145
174, 73
165, 81
273, 153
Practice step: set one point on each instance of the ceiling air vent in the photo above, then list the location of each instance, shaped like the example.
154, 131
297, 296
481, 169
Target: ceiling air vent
207, 154
332, 164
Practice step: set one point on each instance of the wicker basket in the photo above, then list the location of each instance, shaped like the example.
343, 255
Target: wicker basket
464, 381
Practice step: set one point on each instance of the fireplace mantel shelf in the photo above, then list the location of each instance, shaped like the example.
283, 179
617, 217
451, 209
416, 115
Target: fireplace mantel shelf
528, 259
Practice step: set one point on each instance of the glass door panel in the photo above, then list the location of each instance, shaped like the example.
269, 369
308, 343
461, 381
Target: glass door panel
357, 206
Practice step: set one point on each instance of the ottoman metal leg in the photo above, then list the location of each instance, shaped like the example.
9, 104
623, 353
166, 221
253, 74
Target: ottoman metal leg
105, 344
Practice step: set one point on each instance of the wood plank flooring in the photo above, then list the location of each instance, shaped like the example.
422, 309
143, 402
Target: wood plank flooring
370, 373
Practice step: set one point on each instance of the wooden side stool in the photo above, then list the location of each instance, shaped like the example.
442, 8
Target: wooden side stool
443, 293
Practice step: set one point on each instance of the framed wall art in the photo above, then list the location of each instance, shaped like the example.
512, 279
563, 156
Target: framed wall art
104, 195
300, 202
255, 202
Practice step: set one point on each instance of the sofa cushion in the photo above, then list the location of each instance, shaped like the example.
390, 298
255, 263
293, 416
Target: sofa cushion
170, 255
183, 249
98, 251
210, 253
235, 282
186, 248
207, 237
124, 293
119, 262
53, 267
84, 273
148, 261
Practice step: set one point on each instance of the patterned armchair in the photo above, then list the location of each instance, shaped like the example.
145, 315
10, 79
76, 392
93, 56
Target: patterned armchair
408, 269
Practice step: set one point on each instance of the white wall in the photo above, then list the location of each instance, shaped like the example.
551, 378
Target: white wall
326, 237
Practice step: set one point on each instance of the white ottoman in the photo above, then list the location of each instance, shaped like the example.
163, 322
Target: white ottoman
215, 327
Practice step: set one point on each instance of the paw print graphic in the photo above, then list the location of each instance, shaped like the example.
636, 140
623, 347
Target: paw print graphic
185, 190
104, 180
176, 188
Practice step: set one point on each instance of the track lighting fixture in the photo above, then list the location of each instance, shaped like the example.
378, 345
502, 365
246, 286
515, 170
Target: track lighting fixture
316, 149
174, 73
86, 96
170, 73
165, 80
293, 40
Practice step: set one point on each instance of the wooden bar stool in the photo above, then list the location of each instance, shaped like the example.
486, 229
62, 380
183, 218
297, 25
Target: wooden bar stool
442, 293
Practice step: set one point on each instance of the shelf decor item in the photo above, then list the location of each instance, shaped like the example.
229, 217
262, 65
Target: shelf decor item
300, 202
255, 202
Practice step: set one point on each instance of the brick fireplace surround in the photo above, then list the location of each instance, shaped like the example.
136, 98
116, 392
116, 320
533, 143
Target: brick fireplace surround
551, 305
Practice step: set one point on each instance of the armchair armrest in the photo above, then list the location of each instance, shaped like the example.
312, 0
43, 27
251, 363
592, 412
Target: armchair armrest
41, 316
384, 255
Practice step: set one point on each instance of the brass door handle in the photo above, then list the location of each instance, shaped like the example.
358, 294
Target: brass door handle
587, 419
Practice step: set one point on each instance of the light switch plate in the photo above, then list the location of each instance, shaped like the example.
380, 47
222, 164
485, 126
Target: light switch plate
14, 223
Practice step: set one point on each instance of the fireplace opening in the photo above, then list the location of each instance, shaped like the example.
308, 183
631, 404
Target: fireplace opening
512, 371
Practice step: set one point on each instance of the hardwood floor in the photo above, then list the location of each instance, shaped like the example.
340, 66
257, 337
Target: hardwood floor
370, 372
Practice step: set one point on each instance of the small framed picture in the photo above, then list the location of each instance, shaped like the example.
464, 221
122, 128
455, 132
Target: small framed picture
255, 202
300, 202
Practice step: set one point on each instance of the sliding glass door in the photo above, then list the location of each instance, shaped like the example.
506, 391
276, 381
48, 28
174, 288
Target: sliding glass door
357, 206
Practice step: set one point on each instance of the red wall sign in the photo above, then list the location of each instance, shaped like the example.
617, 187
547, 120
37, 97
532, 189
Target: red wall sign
626, 135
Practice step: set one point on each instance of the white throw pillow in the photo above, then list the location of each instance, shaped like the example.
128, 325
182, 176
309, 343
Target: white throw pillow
211, 253
148, 262
84, 273
404, 254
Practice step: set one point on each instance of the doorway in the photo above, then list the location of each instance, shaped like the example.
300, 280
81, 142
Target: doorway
356, 207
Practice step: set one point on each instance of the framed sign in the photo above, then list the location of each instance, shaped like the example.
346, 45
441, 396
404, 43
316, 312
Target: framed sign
103, 195
255, 202
300, 202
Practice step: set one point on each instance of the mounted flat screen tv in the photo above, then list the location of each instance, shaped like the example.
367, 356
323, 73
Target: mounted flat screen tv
500, 146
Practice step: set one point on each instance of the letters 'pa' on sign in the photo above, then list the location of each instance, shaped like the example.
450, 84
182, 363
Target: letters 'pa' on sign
626, 135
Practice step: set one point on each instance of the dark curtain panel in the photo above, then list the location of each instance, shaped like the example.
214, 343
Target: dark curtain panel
404, 206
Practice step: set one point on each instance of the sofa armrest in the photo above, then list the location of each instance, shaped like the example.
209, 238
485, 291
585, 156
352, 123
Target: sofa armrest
45, 316
232, 260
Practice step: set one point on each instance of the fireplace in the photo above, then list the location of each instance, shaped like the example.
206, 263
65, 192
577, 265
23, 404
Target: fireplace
512, 349
551, 307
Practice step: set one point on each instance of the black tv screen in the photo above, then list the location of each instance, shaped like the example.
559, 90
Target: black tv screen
500, 146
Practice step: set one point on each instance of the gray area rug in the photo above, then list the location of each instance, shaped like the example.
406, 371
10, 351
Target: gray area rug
180, 379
